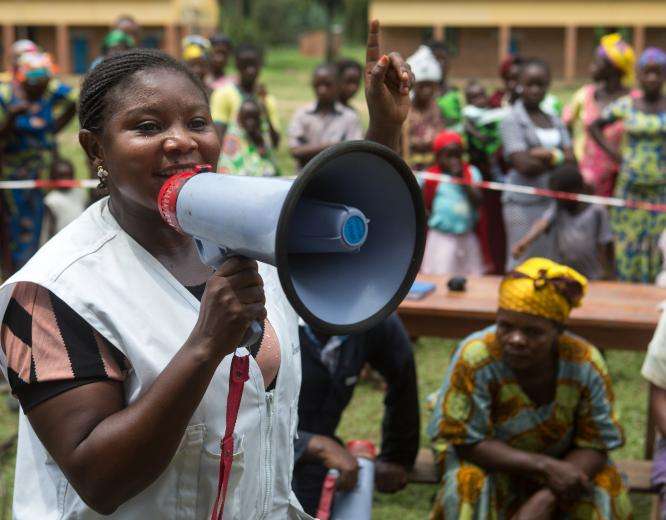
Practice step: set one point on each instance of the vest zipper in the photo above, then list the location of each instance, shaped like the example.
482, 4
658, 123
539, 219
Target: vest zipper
269, 445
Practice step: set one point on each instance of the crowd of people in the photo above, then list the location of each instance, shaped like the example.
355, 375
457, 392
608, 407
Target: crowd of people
609, 140
524, 420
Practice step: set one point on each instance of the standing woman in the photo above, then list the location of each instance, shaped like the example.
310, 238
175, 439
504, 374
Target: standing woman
424, 121
643, 169
118, 327
534, 142
31, 114
612, 75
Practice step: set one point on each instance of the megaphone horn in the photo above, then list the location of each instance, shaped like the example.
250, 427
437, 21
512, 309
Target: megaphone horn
347, 236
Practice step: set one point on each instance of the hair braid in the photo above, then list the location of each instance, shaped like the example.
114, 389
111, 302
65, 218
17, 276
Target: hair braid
114, 72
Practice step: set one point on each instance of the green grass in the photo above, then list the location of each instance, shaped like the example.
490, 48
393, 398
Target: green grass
287, 76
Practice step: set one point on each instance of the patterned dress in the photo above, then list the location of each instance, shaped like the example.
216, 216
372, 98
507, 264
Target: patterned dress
240, 157
597, 168
26, 155
642, 177
481, 399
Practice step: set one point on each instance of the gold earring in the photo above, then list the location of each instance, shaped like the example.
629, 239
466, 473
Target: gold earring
102, 175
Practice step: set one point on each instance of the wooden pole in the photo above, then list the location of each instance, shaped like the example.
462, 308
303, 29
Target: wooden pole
570, 51
8, 38
639, 39
504, 42
62, 49
438, 33
171, 39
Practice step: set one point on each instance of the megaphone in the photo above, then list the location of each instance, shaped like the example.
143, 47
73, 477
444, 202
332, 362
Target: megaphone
347, 235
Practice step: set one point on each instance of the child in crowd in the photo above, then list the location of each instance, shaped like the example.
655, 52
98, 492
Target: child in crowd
245, 150
424, 121
324, 122
62, 205
225, 102
483, 146
350, 73
196, 50
452, 247
482, 129
583, 237
221, 48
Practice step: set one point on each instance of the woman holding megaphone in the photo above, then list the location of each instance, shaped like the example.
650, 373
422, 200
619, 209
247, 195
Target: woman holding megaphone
116, 337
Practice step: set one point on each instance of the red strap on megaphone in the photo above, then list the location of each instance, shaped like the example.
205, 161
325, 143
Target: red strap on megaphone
239, 373
327, 492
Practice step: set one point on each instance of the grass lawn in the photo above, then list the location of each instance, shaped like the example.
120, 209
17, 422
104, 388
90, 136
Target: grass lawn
287, 77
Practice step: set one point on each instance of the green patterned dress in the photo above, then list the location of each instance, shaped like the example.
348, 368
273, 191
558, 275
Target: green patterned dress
481, 399
642, 177
241, 157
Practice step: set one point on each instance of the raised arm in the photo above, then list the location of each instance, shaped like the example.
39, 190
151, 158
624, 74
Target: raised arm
388, 80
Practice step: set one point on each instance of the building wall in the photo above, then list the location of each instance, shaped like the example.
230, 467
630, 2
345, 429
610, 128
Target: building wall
545, 13
546, 43
475, 52
587, 44
655, 37
404, 40
104, 12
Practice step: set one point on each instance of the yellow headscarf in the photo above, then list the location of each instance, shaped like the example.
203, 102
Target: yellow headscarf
195, 46
620, 54
541, 287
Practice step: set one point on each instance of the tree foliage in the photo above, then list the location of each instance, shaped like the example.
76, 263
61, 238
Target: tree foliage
282, 21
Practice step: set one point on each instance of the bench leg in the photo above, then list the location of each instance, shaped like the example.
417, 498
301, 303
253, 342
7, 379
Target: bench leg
654, 514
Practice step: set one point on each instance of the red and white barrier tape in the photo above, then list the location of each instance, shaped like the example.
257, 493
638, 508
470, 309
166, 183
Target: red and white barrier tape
47, 184
486, 185
542, 192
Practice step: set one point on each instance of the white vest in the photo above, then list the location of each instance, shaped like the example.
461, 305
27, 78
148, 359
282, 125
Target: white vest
133, 301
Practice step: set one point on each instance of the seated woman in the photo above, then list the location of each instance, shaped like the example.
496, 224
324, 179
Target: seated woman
526, 412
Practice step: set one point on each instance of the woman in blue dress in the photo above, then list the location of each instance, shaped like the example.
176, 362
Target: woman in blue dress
33, 109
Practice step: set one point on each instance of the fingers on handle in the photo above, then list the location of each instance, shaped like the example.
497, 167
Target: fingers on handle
235, 265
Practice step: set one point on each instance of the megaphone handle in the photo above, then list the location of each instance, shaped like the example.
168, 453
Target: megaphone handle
213, 255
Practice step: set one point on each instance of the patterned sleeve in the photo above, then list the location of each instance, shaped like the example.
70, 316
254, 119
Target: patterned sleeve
597, 426
51, 349
465, 399
616, 109
63, 92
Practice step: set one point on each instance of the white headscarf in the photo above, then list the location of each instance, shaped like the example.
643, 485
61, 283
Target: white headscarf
424, 65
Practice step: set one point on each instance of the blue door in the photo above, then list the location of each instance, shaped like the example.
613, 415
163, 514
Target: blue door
151, 41
80, 54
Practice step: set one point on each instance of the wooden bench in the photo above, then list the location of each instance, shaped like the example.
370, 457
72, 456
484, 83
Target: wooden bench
635, 472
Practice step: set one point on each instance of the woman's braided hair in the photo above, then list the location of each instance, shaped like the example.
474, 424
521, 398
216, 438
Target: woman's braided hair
116, 71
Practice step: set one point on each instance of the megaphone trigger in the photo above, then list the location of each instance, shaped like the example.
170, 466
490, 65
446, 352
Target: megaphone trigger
210, 253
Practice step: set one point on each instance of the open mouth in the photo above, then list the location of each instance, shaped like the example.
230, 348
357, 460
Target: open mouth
174, 170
